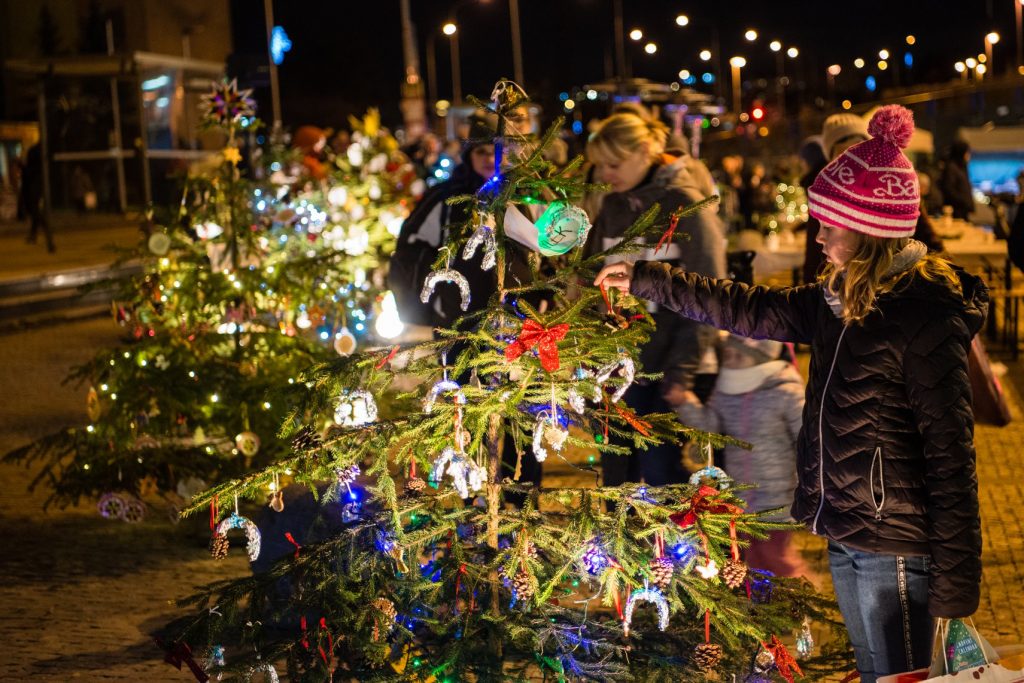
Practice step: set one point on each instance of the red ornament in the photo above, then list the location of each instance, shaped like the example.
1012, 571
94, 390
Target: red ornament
705, 500
783, 660
545, 339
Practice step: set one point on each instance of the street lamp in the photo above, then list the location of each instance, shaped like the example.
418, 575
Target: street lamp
650, 48
705, 55
682, 20
859, 63
911, 40
737, 63
991, 39
452, 31
961, 69
1020, 35
636, 34
883, 54
793, 53
775, 46
750, 35
832, 71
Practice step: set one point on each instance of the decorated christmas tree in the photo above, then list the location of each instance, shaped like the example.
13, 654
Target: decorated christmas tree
243, 285
417, 569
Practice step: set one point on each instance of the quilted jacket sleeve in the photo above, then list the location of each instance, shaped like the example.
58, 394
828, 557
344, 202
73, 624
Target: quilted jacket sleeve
938, 389
783, 314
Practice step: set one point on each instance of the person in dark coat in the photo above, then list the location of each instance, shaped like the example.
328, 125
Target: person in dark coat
426, 230
628, 152
955, 184
885, 457
32, 198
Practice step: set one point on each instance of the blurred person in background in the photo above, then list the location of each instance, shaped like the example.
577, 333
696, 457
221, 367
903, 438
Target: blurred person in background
954, 182
32, 198
838, 133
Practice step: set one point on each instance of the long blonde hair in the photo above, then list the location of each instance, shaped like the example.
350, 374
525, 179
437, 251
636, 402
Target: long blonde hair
863, 279
622, 134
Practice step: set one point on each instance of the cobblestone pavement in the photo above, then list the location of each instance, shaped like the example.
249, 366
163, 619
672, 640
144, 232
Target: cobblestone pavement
81, 596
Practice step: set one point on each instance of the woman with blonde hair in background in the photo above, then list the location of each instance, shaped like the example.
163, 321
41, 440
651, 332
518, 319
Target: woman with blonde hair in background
627, 151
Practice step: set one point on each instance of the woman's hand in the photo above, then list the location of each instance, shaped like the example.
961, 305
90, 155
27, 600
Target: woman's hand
617, 275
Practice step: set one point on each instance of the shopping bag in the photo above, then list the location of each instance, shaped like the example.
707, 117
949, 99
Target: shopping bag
990, 406
961, 653
1009, 668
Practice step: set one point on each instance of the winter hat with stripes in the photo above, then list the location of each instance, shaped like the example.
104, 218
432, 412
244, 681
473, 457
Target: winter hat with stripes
871, 187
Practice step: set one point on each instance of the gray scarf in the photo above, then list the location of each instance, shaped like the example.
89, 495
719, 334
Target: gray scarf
903, 260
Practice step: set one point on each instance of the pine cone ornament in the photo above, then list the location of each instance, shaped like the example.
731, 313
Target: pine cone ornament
386, 613
307, 440
415, 486
707, 656
219, 546
662, 569
733, 573
386, 608
522, 587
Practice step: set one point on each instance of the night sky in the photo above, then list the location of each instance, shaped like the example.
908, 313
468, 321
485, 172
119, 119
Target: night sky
348, 55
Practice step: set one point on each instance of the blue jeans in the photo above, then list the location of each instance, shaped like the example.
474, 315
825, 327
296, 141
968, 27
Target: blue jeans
884, 602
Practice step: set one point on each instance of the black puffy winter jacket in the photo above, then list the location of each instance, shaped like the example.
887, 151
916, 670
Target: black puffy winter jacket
888, 431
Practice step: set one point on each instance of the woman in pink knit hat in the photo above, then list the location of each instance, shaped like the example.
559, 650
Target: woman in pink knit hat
885, 456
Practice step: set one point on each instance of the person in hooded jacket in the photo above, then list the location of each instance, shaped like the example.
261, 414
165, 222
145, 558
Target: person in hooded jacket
885, 457
628, 153
759, 399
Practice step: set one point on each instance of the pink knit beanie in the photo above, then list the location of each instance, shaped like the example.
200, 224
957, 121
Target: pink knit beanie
871, 187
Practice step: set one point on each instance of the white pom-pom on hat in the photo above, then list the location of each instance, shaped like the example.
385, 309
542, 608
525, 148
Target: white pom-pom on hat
894, 124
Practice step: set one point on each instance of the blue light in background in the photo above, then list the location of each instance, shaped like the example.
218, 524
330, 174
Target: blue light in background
690, 80
155, 83
708, 77
908, 59
577, 127
870, 83
279, 44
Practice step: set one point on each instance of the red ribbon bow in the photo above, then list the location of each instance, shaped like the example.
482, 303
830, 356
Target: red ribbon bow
783, 660
704, 501
180, 653
545, 339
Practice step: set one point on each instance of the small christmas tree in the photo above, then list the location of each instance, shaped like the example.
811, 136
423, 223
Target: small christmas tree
422, 573
240, 290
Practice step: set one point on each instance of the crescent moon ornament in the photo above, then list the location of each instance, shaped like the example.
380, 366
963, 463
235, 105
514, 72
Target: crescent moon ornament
627, 370
710, 474
252, 533
446, 275
466, 474
645, 594
443, 387
483, 236
268, 671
